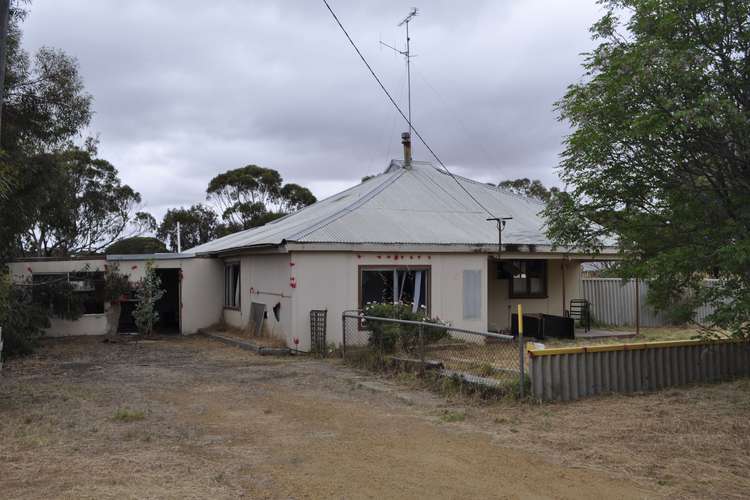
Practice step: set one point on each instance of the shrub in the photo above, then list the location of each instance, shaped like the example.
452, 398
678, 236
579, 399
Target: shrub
116, 285
148, 293
390, 336
26, 309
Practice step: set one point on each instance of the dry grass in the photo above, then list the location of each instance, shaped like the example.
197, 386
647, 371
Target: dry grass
691, 442
219, 422
646, 335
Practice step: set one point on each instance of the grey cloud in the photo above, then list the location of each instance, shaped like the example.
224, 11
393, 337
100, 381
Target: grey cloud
186, 89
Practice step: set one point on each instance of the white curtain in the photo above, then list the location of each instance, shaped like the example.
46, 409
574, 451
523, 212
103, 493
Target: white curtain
417, 290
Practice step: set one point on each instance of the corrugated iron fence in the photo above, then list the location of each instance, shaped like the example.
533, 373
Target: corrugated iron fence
484, 360
613, 302
576, 372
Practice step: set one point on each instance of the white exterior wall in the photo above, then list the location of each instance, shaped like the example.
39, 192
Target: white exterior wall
88, 324
201, 287
499, 302
201, 291
263, 279
331, 281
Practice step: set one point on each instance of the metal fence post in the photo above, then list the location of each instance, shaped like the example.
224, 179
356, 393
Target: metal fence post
421, 348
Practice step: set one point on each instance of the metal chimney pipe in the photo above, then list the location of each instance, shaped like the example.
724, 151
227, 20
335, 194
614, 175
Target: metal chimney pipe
406, 141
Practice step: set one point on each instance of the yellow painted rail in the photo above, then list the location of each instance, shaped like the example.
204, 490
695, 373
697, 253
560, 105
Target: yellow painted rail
534, 351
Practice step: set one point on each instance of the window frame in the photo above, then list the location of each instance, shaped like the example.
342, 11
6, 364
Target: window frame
228, 292
397, 267
544, 294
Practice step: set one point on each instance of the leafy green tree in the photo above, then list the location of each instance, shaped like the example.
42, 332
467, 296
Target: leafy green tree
658, 157
136, 245
531, 189
198, 224
236, 189
83, 208
251, 196
148, 291
295, 197
45, 104
57, 198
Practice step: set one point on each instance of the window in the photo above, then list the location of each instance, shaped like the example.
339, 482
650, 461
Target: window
232, 285
86, 287
528, 278
394, 284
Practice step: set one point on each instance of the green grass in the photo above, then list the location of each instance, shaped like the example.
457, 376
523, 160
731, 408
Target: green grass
128, 415
452, 416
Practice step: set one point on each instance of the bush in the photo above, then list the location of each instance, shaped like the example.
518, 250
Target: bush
116, 285
22, 321
390, 336
148, 292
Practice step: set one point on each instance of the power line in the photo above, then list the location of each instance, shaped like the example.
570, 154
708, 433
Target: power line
388, 94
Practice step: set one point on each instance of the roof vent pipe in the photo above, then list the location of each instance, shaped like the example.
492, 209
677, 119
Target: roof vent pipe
406, 141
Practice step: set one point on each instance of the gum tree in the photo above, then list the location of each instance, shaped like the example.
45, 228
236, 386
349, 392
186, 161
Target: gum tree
659, 154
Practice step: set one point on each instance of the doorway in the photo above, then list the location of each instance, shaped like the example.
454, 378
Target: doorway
168, 306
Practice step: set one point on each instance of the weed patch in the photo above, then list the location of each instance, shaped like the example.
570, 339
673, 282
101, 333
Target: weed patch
449, 416
128, 415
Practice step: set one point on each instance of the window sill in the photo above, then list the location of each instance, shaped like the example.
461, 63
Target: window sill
529, 296
231, 308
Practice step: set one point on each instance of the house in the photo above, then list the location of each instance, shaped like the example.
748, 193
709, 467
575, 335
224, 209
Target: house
413, 233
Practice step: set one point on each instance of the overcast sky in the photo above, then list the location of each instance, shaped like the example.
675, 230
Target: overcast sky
186, 89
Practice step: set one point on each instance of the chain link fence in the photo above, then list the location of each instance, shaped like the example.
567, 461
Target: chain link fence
488, 361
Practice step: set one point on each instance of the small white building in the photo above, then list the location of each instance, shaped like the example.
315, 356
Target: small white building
413, 233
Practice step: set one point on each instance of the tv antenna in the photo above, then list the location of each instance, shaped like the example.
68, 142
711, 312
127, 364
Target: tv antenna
407, 54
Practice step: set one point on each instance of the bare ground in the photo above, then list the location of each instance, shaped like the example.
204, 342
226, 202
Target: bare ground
192, 418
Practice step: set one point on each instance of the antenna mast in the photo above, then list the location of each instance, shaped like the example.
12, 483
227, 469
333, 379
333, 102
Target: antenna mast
407, 54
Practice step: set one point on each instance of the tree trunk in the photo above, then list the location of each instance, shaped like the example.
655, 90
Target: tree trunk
113, 318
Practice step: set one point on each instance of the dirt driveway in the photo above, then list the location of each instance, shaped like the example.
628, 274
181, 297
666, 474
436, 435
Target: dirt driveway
191, 418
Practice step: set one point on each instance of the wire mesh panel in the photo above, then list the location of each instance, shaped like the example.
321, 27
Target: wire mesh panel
318, 331
490, 361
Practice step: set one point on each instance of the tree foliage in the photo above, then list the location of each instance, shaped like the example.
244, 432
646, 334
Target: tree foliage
251, 196
136, 245
26, 308
22, 321
198, 224
82, 208
659, 153
57, 198
531, 189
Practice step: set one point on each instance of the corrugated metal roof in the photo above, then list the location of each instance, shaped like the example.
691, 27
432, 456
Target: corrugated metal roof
418, 205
